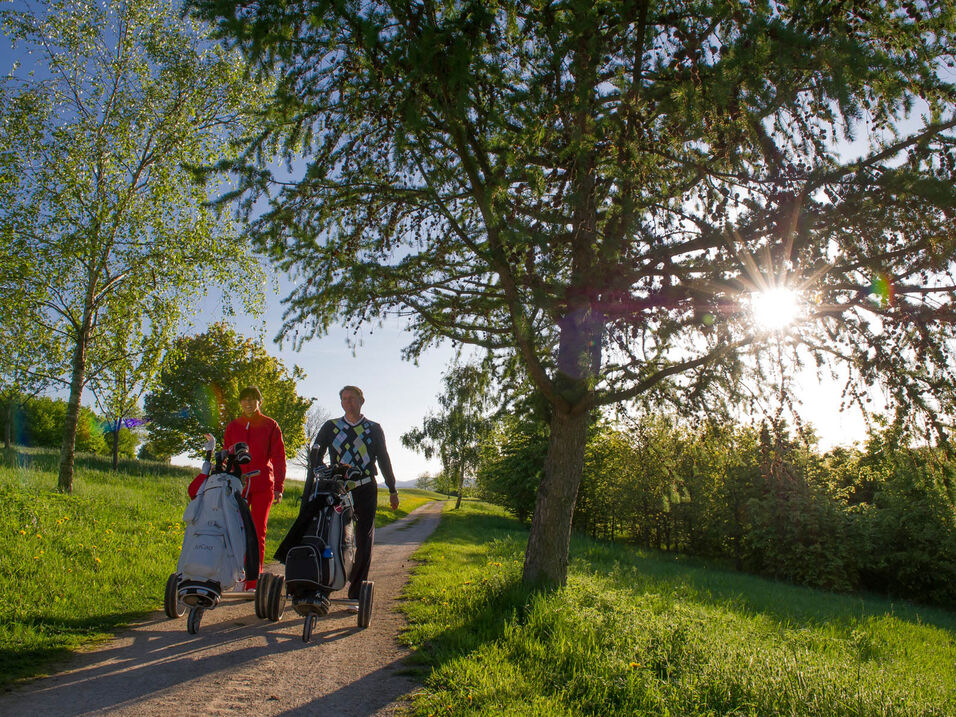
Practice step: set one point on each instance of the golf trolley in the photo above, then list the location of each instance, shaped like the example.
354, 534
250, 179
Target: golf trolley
220, 548
318, 553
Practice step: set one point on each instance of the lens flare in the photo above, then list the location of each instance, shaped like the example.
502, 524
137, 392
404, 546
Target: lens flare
882, 290
775, 309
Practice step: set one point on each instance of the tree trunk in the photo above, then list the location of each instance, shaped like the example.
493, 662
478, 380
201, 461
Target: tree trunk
8, 433
461, 486
546, 559
68, 446
119, 422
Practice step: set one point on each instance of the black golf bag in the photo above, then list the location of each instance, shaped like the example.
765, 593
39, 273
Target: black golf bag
319, 549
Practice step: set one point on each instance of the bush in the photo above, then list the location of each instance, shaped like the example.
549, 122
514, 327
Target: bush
40, 424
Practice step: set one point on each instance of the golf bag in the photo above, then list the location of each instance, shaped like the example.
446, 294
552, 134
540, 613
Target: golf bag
220, 548
319, 549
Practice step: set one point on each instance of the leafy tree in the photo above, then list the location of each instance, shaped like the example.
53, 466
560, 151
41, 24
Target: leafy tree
198, 389
594, 191
509, 470
455, 433
30, 351
127, 359
127, 94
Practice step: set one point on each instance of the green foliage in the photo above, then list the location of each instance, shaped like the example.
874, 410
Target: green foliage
880, 518
39, 422
640, 634
455, 433
107, 216
198, 388
512, 457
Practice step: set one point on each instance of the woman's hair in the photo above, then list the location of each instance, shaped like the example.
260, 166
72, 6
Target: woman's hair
354, 389
251, 392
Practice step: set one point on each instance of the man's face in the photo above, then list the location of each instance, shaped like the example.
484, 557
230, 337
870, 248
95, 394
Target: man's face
249, 405
351, 403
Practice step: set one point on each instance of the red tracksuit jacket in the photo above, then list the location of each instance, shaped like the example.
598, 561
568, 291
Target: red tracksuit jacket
264, 438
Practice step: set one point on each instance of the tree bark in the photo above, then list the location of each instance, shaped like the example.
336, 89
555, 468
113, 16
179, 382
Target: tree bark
8, 433
68, 446
546, 559
461, 485
116, 430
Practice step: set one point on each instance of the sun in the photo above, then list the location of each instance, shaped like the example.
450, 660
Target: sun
775, 309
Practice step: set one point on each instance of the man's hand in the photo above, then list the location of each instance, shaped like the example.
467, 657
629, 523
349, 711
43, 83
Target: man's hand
393, 500
277, 496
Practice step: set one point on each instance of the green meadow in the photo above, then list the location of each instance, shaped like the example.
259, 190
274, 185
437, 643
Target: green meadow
74, 569
633, 632
640, 633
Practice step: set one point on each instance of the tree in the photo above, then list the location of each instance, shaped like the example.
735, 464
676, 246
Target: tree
30, 351
127, 94
127, 358
316, 416
198, 389
455, 433
595, 190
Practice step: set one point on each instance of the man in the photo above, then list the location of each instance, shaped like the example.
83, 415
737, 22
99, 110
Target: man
264, 438
358, 442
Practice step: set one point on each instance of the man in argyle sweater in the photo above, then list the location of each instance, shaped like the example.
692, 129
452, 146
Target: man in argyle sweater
358, 442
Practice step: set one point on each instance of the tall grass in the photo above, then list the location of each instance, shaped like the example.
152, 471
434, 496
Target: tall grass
637, 633
74, 568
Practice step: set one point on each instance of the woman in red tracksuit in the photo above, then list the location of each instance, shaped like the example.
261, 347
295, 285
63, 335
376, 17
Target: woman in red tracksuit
264, 438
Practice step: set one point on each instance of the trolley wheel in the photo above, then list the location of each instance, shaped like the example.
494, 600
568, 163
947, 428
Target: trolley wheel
366, 593
262, 593
192, 622
171, 603
276, 601
307, 626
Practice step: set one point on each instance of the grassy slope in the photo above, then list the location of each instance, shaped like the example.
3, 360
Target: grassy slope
637, 633
75, 568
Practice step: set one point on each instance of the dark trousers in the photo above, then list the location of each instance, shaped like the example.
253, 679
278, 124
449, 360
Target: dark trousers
365, 499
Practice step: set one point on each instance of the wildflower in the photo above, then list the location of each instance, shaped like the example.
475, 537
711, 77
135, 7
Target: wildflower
97, 560
23, 532
634, 665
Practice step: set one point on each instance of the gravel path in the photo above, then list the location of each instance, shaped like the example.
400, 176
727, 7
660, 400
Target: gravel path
238, 664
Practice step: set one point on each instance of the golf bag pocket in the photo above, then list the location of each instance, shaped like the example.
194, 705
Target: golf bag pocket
309, 567
202, 556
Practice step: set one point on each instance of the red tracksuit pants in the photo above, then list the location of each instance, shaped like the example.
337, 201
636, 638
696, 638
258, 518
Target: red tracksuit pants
259, 504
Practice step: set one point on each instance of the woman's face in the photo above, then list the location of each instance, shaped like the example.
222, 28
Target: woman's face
249, 405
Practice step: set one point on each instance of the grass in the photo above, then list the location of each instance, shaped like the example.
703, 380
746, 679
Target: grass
75, 568
638, 633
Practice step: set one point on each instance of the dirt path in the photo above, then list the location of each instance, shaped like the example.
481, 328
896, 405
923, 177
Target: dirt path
239, 664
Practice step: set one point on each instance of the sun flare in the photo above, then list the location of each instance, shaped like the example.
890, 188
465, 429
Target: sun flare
775, 309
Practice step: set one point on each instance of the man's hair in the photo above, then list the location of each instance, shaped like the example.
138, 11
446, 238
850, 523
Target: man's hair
251, 392
355, 389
